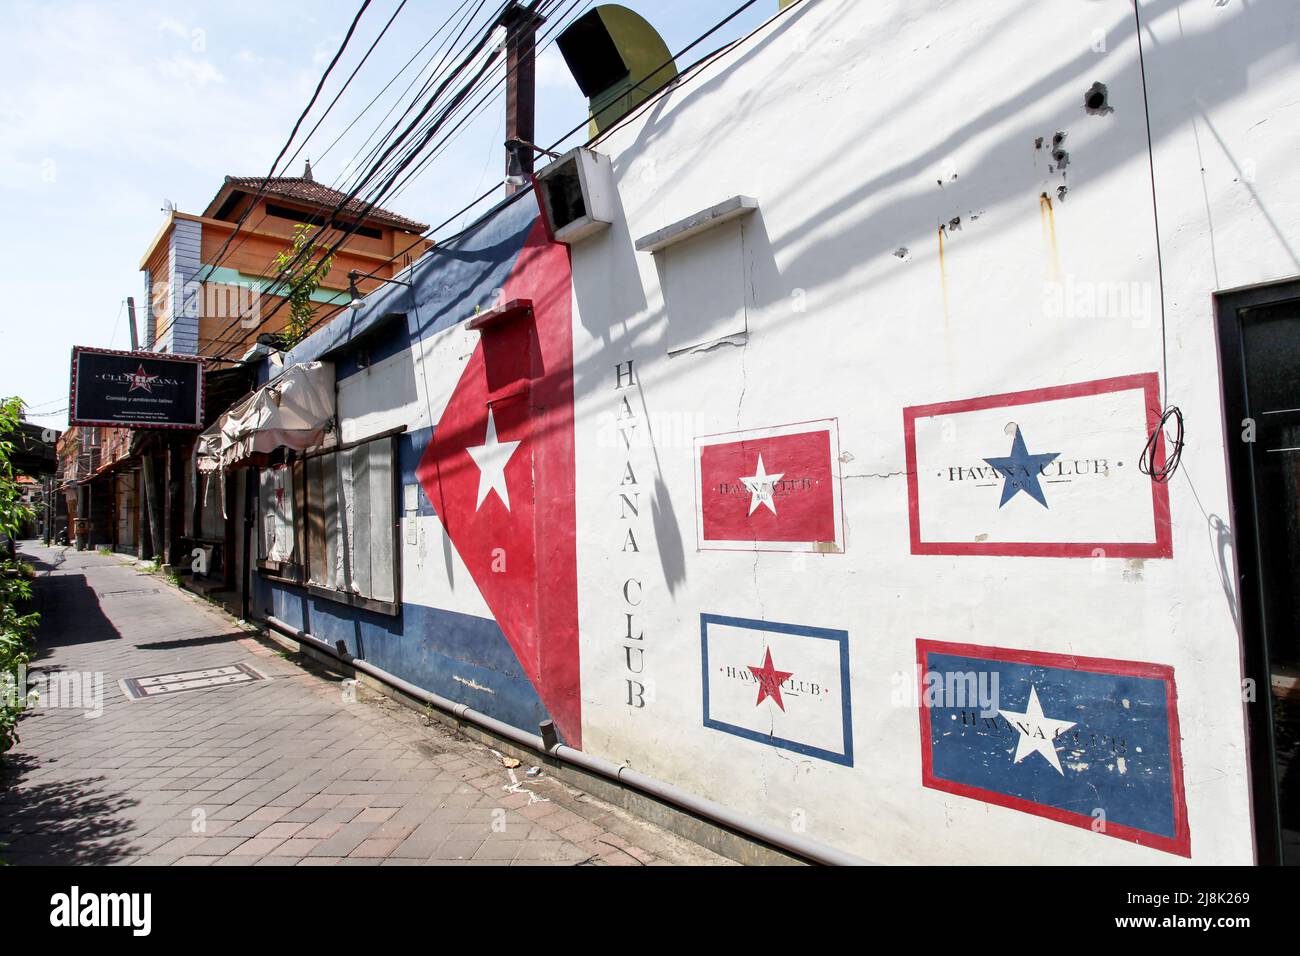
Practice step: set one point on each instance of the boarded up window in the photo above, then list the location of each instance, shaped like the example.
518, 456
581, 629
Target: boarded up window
277, 513
315, 523
703, 281
351, 515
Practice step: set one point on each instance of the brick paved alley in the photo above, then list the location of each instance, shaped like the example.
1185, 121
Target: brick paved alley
279, 771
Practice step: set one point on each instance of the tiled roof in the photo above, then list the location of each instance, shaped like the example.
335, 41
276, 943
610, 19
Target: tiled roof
304, 190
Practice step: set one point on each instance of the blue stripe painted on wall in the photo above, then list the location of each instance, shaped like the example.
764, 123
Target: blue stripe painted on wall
410, 448
428, 647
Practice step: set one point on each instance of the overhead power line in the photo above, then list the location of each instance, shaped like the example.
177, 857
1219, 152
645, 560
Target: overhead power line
385, 88
352, 28
404, 160
390, 164
243, 234
684, 76
346, 83
361, 181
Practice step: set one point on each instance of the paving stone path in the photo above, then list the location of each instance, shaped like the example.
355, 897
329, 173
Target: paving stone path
298, 769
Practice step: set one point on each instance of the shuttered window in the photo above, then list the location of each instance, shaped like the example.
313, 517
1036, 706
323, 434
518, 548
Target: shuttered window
277, 537
329, 521
350, 522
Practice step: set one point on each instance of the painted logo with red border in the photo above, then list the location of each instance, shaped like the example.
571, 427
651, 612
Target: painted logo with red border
1050, 472
1089, 742
770, 489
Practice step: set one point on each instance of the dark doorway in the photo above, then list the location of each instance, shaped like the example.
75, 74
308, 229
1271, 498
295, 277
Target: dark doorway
1259, 344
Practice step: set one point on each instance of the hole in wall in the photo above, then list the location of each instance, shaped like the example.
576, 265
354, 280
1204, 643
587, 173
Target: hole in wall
1097, 100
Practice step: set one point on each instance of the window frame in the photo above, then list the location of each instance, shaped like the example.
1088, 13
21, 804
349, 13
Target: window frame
391, 608
285, 572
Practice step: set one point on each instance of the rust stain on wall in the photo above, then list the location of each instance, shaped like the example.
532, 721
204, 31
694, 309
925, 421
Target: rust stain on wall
1048, 216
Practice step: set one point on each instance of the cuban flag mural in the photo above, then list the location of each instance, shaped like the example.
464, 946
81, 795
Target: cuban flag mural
499, 473
770, 489
1051, 472
472, 371
1085, 741
782, 685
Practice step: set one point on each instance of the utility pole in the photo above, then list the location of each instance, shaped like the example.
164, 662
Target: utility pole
521, 25
130, 315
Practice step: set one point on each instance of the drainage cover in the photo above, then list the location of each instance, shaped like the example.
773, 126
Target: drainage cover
162, 684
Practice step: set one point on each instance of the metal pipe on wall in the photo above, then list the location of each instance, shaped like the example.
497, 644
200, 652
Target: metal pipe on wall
810, 850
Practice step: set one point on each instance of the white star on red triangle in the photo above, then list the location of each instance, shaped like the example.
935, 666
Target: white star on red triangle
491, 458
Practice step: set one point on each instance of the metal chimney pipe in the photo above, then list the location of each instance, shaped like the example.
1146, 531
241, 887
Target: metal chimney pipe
521, 25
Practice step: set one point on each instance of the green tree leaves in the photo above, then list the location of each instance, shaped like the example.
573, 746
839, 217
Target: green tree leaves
304, 267
16, 628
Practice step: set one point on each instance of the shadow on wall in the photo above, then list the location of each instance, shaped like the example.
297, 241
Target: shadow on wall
1222, 544
611, 297
668, 535
758, 275
384, 383
912, 220
811, 250
620, 303
607, 280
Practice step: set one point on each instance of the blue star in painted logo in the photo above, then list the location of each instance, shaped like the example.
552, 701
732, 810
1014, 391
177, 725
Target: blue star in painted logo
1021, 471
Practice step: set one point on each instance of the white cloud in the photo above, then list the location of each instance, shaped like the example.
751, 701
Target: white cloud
104, 111
192, 70
90, 81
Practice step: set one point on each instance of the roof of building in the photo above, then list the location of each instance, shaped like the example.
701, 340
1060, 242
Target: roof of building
305, 189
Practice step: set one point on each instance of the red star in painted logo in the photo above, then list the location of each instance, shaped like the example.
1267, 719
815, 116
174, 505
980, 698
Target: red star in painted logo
769, 680
142, 379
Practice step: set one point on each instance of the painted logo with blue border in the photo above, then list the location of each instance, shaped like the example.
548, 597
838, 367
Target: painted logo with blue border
783, 685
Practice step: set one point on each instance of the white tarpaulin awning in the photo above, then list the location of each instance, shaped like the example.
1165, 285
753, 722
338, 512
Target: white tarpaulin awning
295, 411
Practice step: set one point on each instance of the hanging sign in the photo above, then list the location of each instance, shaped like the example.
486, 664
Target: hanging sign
136, 389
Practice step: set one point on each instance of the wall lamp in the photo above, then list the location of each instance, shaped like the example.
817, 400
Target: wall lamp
516, 173
355, 301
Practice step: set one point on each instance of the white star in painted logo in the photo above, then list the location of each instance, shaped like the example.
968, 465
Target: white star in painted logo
1037, 732
491, 458
760, 485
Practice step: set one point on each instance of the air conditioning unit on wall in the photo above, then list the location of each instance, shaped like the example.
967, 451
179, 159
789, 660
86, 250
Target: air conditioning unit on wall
576, 192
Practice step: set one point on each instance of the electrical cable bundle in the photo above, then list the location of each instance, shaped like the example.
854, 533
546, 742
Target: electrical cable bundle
1164, 470
395, 160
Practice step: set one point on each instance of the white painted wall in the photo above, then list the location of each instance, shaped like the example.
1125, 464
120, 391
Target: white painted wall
410, 389
861, 128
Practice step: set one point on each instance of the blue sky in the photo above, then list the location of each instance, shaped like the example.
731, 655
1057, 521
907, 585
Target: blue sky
108, 109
